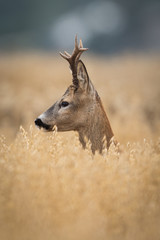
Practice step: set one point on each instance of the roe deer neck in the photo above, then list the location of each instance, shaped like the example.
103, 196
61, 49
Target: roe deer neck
97, 129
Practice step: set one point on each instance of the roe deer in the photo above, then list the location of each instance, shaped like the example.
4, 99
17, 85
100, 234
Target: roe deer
80, 108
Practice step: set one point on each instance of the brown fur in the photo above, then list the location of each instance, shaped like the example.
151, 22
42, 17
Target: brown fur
84, 113
97, 129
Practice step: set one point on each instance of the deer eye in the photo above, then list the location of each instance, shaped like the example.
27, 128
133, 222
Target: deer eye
64, 104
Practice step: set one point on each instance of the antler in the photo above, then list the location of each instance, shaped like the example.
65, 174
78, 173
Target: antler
73, 59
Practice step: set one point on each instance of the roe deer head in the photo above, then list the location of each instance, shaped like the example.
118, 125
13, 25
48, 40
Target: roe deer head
80, 108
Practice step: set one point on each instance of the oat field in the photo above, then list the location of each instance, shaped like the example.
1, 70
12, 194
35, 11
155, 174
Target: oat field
52, 189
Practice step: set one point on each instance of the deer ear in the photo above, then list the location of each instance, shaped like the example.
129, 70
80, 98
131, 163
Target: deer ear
82, 75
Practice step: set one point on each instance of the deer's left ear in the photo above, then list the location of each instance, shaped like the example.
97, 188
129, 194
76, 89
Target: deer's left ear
82, 75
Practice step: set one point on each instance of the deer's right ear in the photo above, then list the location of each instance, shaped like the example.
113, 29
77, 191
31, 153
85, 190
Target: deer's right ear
82, 75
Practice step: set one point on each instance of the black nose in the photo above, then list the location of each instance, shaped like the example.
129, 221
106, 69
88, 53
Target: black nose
39, 122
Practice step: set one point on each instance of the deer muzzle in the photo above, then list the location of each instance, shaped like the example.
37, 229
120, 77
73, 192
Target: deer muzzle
40, 124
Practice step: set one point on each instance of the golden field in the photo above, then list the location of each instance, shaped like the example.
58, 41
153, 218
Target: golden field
52, 189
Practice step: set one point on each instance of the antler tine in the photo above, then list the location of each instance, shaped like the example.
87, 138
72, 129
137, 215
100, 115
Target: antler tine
73, 59
63, 55
78, 49
76, 43
76, 52
80, 44
67, 54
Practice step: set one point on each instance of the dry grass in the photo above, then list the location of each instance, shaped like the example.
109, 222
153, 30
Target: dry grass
49, 187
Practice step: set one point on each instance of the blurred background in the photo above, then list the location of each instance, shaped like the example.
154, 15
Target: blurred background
123, 61
50, 189
105, 26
